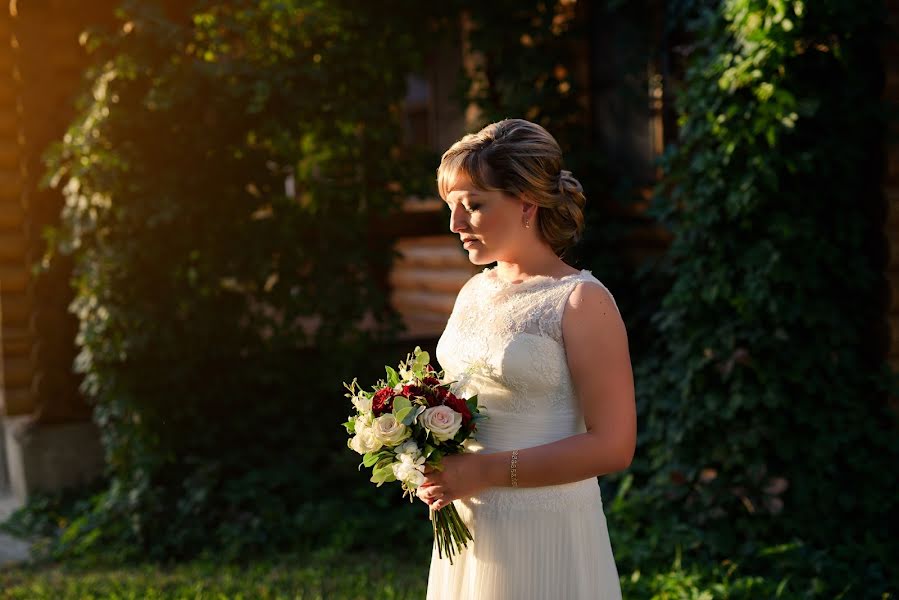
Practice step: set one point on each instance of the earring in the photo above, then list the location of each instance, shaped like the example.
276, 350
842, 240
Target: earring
527, 224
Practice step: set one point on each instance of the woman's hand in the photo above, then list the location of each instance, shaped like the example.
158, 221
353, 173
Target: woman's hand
463, 475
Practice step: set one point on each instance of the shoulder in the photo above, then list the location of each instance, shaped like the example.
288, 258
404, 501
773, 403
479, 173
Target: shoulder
589, 293
590, 309
471, 284
474, 280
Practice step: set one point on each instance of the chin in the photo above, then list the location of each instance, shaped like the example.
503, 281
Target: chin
479, 258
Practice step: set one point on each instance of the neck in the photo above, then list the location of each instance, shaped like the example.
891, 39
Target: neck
548, 265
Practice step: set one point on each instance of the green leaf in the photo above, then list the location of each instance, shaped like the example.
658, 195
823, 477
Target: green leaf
404, 415
400, 403
371, 458
626, 483
392, 377
383, 475
421, 360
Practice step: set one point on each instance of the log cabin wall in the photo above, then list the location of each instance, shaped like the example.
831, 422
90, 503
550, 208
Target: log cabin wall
14, 306
432, 265
48, 440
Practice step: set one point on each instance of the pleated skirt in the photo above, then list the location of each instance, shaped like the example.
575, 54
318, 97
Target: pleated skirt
546, 543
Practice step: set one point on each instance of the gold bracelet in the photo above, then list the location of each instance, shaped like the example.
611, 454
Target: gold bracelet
514, 468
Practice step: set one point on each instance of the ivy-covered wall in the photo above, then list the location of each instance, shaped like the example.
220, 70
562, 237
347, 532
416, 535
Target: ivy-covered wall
217, 307
764, 406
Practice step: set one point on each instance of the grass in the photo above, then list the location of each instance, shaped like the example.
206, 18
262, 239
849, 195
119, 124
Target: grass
363, 577
289, 577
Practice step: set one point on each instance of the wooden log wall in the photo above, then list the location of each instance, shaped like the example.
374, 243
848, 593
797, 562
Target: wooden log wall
16, 338
426, 279
41, 65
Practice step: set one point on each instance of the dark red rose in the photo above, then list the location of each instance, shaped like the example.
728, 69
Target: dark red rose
412, 390
440, 395
422, 391
431, 380
431, 397
458, 405
382, 401
429, 368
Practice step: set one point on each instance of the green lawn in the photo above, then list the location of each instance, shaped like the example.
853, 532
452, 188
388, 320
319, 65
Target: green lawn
296, 579
366, 577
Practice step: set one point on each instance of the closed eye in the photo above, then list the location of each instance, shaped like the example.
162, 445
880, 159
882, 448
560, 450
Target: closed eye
469, 208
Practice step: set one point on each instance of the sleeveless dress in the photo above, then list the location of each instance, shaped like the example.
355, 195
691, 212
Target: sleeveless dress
503, 341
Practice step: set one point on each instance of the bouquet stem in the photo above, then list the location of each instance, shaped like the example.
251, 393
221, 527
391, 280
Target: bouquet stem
450, 532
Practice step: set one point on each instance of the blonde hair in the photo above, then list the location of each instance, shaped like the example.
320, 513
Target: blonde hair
522, 159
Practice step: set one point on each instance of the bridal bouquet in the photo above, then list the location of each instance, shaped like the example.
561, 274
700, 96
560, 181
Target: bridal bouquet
410, 420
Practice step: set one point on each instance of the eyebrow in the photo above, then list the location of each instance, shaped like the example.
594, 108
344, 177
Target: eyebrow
466, 192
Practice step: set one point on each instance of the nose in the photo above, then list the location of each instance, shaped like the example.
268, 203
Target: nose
458, 219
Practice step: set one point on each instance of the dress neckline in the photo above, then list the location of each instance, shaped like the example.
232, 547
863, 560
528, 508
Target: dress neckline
536, 280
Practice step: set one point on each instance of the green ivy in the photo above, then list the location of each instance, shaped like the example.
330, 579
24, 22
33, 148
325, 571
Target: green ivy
763, 408
197, 273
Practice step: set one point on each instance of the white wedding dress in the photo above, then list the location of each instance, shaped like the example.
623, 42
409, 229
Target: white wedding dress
503, 341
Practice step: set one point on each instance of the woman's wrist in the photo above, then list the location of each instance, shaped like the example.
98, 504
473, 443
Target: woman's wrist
497, 472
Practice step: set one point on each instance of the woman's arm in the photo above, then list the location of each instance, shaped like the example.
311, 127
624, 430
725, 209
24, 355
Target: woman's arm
596, 345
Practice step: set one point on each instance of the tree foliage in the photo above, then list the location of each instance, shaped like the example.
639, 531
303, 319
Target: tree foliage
763, 408
220, 183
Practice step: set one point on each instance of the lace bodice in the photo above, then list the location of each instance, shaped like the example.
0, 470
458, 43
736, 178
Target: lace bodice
503, 341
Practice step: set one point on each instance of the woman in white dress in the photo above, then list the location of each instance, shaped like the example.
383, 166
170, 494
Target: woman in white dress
545, 348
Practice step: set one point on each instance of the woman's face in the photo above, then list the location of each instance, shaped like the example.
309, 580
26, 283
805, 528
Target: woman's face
492, 221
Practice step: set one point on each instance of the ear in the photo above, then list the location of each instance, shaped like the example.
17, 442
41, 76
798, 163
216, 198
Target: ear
528, 209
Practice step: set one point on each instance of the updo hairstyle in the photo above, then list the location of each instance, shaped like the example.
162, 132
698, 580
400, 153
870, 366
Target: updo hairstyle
522, 159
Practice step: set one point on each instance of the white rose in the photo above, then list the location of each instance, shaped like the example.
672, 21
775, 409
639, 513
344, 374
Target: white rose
362, 404
364, 441
442, 421
389, 431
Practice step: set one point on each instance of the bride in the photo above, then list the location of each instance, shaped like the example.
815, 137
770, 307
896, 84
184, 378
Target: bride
545, 348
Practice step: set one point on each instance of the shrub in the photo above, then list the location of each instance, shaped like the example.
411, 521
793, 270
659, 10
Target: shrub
218, 306
763, 408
